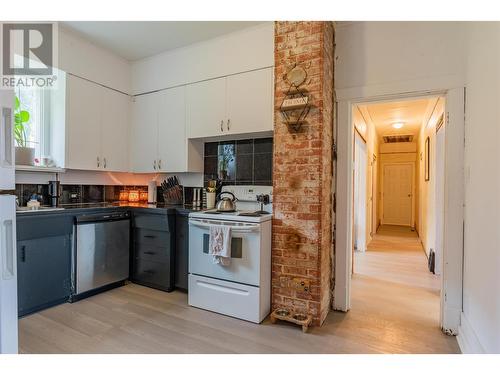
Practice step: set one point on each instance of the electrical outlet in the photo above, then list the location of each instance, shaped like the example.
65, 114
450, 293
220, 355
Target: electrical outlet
301, 284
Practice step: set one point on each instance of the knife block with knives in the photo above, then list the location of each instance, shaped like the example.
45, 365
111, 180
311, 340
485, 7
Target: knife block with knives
172, 191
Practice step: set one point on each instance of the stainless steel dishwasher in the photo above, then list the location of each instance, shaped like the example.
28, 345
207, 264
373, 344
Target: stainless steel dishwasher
101, 257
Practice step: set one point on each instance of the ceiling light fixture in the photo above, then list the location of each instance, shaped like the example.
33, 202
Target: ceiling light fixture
397, 125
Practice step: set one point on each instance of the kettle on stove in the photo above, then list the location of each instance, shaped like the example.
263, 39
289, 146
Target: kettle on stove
226, 204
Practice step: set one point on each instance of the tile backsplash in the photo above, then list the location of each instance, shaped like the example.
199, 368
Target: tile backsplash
240, 162
72, 194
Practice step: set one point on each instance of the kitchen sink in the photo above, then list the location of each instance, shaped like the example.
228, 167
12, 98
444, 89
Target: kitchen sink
38, 209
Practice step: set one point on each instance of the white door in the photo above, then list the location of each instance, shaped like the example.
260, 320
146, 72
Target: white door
7, 162
172, 147
115, 131
250, 102
83, 125
144, 133
8, 275
206, 108
397, 194
359, 194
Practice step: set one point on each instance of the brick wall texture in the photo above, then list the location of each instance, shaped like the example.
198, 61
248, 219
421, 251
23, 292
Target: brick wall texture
302, 247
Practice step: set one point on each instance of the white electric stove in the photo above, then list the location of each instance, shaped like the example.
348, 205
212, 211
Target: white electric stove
243, 288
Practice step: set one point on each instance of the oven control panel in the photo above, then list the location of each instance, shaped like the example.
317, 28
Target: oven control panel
249, 193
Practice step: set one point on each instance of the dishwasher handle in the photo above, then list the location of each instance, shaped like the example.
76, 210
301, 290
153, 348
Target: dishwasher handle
99, 218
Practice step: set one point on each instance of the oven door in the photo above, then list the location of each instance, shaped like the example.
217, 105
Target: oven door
245, 251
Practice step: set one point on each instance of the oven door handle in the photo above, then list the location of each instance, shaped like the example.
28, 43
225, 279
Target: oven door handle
234, 228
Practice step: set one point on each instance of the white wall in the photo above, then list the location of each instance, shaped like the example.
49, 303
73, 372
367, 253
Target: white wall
244, 50
427, 189
481, 304
82, 58
381, 53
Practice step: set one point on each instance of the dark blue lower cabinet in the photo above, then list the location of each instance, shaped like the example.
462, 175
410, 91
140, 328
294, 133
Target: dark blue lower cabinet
181, 251
153, 254
44, 272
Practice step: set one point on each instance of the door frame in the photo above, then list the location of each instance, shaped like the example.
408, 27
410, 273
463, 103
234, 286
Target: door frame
412, 212
452, 263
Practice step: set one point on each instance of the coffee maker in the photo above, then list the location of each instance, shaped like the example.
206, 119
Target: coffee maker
54, 193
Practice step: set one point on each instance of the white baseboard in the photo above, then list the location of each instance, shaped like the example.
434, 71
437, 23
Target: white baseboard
467, 338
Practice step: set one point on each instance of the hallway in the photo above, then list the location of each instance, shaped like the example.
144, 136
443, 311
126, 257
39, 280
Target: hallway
394, 291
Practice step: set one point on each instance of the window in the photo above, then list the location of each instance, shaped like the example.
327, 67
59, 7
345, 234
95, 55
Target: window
36, 134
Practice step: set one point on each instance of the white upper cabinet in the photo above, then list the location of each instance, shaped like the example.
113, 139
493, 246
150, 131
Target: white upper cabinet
97, 127
144, 133
115, 131
172, 130
158, 140
237, 104
250, 102
83, 128
206, 108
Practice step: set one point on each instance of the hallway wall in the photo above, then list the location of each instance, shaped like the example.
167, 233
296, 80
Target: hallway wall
427, 189
367, 130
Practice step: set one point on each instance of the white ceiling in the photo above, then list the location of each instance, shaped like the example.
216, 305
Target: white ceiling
134, 40
410, 112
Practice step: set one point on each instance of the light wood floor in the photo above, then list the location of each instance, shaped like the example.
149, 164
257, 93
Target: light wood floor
387, 316
393, 286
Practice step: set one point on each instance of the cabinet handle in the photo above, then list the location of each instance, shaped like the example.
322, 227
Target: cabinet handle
105, 163
149, 253
154, 165
149, 271
98, 162
149, 236
228, 122
159, 164
221, 125
23, 254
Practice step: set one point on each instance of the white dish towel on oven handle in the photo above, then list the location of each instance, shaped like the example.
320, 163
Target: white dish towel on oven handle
219, 244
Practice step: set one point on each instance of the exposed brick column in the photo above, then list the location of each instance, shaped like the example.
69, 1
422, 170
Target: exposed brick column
302, 176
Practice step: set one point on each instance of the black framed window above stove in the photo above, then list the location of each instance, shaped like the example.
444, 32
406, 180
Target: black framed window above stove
240, 162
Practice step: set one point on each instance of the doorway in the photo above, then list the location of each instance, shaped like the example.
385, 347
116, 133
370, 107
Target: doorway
417, 166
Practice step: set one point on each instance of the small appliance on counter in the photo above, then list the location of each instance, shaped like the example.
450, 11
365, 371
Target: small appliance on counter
54, 193
241, 289
152, 191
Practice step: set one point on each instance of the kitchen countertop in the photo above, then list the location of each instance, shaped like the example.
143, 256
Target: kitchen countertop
81, 208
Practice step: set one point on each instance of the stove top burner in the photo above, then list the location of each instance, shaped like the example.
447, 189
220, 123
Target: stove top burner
251, 214
215, 212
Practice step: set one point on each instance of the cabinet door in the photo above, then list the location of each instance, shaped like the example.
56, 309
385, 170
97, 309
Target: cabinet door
115, 131
44, 268
83, 124
206, 108
172, 150
250, 102
144, 133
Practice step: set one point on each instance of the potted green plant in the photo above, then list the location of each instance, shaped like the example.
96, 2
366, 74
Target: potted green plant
226, 157
24, 155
